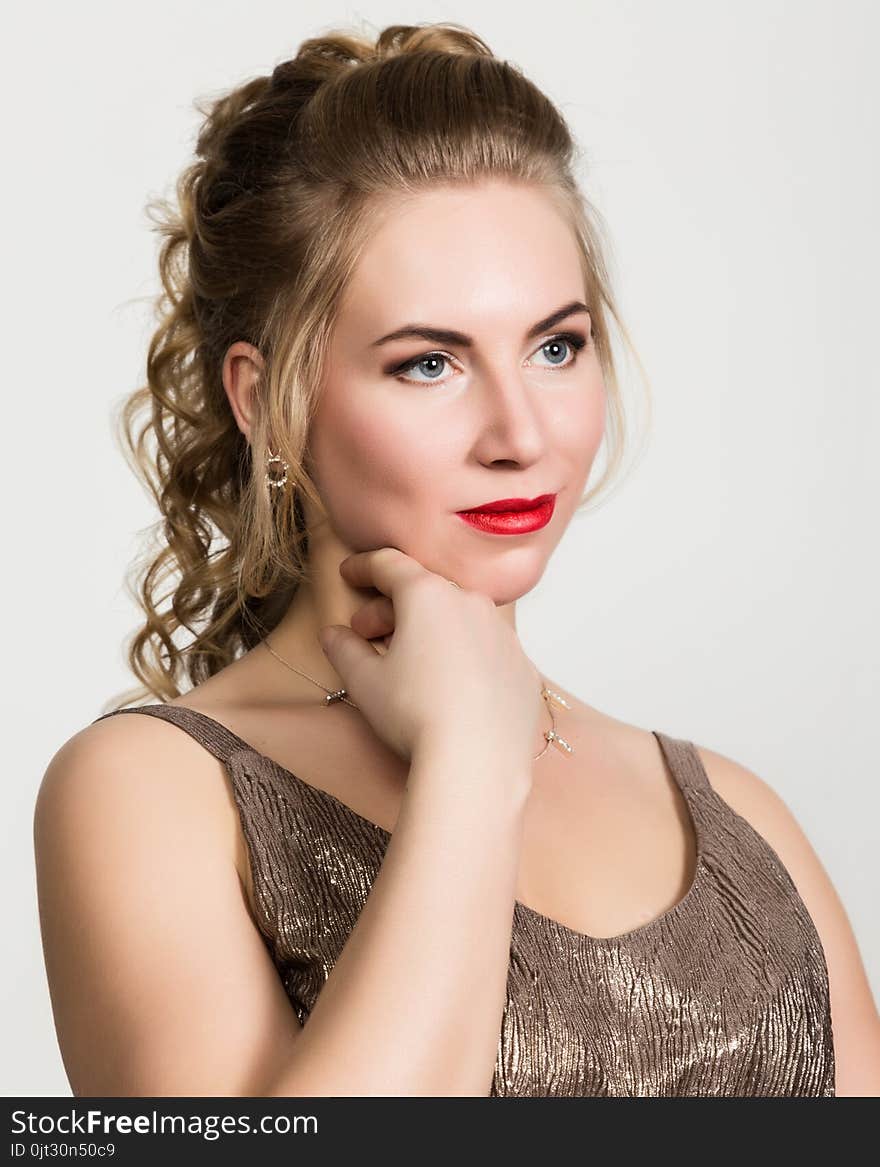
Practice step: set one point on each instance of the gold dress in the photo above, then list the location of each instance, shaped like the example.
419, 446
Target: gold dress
725, 994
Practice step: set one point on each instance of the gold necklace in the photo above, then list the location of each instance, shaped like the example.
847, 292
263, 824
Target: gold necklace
550, 697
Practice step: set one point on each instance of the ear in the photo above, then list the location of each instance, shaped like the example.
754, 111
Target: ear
242, 365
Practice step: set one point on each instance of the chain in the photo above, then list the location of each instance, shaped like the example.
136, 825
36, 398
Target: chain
549, 696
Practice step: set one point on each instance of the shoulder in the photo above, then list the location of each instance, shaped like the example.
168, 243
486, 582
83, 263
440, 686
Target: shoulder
855, 1017
142, 754
755, 800
135, 885
135, 768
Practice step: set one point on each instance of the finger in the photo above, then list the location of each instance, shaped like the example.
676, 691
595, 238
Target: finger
351, 656
385, 568
375, 618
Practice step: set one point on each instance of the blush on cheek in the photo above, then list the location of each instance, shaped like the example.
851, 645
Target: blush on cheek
368, 478
591, 427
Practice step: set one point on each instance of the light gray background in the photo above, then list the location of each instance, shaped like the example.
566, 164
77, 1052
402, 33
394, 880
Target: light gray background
726, 594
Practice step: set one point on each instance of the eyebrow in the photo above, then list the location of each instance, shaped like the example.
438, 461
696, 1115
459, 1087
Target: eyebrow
450, 337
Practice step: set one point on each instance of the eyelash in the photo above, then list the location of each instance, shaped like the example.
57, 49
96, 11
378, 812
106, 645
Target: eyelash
576, 340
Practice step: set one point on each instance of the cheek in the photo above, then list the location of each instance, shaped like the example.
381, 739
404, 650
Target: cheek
366, 461
580, 427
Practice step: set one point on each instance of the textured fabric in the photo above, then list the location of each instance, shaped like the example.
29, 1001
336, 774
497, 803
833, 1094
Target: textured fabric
726, 993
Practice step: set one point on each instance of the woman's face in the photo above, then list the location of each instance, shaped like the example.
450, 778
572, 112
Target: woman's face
511, 413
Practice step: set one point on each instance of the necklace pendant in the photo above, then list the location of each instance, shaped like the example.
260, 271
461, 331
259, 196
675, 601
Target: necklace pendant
554, 698
337, 695
561, 744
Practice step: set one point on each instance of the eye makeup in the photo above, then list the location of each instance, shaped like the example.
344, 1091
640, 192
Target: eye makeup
575, 340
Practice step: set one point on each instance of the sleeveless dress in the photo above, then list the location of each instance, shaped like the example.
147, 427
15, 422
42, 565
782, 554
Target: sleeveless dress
724, 994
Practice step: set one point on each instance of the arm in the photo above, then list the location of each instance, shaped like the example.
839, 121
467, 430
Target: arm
161, 983
414, 1003
855, 1019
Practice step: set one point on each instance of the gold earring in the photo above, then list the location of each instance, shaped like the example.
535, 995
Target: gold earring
277, 481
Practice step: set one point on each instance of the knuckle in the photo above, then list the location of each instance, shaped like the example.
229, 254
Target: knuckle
424, 584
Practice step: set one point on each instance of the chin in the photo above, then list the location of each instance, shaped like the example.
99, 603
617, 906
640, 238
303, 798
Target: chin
502, 595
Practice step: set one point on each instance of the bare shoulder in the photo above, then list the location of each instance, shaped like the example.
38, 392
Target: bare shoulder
755, 800
854, 1012
143, 755
144, 765
137, 893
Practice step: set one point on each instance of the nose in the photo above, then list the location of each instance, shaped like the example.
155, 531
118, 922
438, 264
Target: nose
510, 426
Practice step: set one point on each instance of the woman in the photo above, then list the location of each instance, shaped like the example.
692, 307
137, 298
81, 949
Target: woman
371, 849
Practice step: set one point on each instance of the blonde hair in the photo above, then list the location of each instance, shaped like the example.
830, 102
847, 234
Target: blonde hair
270, 220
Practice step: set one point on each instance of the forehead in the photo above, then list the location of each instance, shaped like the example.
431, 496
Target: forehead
464, 256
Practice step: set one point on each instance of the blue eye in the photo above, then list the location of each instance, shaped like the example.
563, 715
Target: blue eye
574, 342
435, 360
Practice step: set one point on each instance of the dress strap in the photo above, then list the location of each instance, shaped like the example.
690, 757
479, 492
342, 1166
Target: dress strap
214, 736
684, 762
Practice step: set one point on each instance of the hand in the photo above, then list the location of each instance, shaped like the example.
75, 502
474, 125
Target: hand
453, 666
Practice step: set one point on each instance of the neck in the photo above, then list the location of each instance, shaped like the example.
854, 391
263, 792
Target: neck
323, 598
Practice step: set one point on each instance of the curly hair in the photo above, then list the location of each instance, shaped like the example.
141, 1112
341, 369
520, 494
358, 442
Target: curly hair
269, 222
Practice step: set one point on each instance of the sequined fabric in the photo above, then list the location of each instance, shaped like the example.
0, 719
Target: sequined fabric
724, 994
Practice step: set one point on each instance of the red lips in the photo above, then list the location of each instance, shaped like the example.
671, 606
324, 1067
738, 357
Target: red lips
502, 520
509, 505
